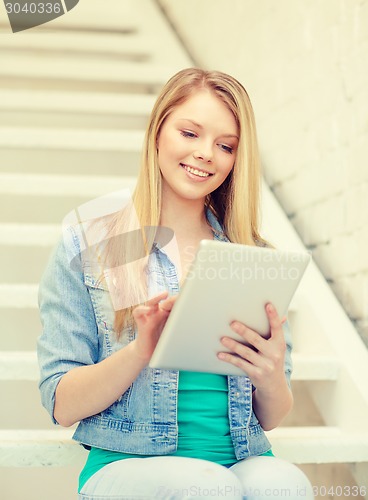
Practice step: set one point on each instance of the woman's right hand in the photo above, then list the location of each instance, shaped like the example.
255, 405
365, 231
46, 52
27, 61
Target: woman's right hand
150, 320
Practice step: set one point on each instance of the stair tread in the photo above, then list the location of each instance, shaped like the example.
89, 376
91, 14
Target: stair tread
72, 139
297, 444
313, 366
93, 102
322, 444
29, 234
24, 448
76, 42
62, 185
18, 296
85, 69
18, 365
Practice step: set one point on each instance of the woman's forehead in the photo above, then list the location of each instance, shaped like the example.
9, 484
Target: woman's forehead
204, 106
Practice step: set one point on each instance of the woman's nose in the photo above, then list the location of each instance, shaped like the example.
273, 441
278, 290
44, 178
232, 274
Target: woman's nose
203, 155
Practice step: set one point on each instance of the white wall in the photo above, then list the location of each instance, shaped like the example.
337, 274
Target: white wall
305, 66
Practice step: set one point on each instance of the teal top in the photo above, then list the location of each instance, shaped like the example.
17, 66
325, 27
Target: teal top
204, 430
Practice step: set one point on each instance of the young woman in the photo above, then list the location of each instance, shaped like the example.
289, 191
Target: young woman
159, 433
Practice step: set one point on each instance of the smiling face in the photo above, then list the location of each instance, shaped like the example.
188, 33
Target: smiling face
197, 147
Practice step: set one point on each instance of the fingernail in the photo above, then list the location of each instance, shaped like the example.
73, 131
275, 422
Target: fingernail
270, 308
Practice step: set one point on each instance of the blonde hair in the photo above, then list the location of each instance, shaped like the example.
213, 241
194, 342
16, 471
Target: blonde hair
235, 203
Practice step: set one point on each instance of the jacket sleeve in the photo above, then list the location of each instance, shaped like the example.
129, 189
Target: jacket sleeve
69, 332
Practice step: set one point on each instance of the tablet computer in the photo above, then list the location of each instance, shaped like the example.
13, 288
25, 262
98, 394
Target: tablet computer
226, 282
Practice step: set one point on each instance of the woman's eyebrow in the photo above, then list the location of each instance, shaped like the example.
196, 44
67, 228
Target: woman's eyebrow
191, 121
201, 127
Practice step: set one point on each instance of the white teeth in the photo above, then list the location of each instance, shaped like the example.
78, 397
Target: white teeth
195, 172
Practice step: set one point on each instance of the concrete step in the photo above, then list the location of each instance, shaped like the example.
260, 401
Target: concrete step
50, 196
130, 46
21, 328
60, 186
25, 250
18, 296
74, 109
29, 235
21, 406
319, 444
92, 74
46, 210
22, 365
23, 264
18, 366
40, 448
121, 47
315, 367
70, 151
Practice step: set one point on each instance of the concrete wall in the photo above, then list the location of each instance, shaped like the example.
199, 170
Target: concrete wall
305, 66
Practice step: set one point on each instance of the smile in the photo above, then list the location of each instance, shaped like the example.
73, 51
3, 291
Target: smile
195, 171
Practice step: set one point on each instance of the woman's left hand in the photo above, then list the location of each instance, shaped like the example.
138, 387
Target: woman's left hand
261, 359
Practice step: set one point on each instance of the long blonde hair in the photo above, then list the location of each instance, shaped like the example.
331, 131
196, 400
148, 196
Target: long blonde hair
235, 203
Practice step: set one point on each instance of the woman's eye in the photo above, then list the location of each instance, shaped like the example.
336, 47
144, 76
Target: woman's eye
227, 149
186, 133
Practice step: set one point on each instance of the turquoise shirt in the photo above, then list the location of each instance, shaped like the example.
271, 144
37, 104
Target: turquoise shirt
204, 430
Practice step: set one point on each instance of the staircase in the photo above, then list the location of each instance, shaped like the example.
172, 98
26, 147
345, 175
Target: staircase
74, 99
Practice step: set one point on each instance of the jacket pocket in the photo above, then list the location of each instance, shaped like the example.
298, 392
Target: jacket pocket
105, 316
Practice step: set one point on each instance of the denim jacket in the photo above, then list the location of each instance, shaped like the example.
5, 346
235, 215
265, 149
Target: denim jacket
77, 317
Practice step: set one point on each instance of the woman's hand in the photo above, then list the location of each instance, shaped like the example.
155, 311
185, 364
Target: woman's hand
97, 386
261, 359
150, 320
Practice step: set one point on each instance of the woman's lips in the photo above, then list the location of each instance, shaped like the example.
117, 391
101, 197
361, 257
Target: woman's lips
194, 172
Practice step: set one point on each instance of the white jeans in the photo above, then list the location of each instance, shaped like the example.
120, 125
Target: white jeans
179, 478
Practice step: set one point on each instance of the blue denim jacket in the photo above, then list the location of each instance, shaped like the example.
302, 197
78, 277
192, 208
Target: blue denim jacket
77, 317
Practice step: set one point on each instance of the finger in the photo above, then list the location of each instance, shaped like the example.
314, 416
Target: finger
241, 363
275, 321
249, 336
155, 300
168, 304
173, 298
141, 311
245, 352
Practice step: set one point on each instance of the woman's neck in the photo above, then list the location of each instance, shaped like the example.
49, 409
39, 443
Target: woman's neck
188, 217
189, 222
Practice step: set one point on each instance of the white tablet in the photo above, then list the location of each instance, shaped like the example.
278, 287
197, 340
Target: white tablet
226, 282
